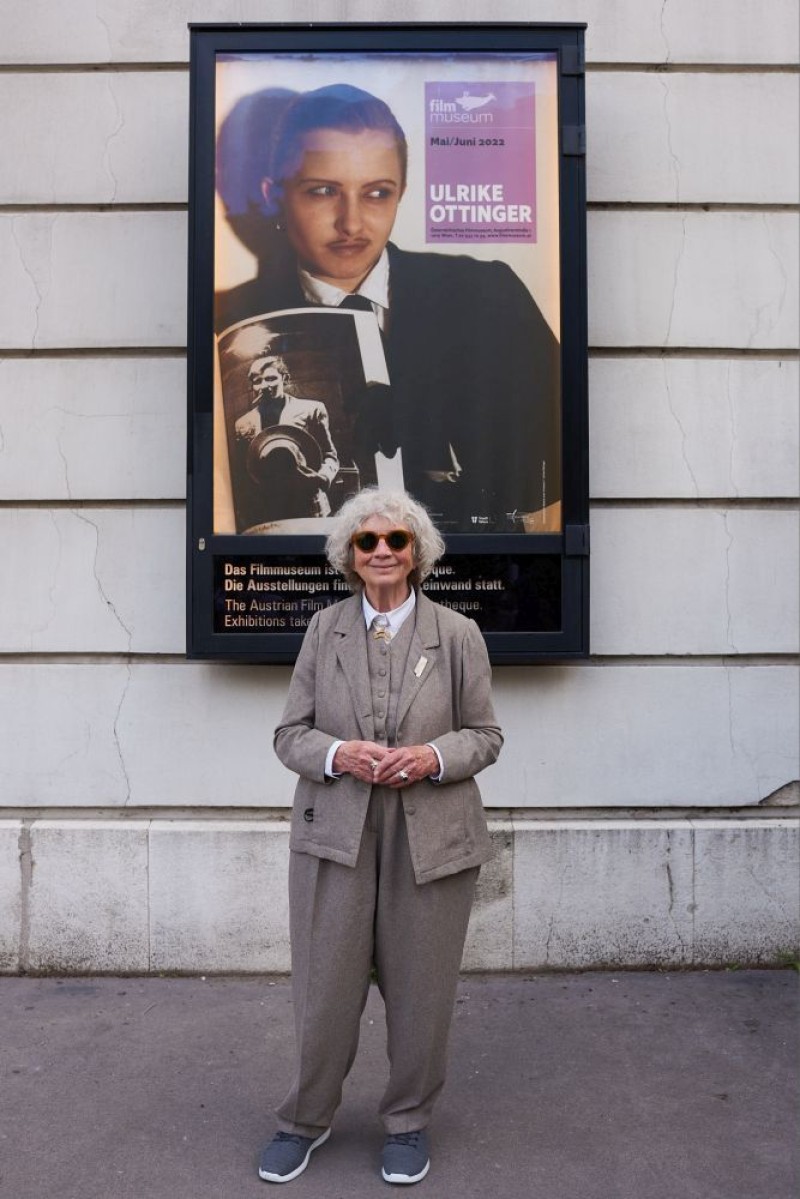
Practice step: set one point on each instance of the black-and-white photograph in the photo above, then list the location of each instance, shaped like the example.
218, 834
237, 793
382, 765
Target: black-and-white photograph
303, 393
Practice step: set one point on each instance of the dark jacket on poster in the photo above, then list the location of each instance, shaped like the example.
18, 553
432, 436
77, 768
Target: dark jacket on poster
475, 390
446, 701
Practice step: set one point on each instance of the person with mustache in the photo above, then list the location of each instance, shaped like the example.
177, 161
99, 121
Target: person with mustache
474, 369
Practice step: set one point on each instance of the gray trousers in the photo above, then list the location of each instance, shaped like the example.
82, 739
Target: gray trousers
342, 921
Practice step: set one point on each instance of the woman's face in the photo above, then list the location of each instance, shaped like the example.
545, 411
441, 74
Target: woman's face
340, 205
383, 569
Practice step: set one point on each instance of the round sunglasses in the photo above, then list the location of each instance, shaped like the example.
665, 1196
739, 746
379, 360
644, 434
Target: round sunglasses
396, 539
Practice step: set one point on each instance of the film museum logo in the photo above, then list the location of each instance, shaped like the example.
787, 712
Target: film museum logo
470, 108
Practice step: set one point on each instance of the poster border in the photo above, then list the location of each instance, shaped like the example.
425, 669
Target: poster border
208, 41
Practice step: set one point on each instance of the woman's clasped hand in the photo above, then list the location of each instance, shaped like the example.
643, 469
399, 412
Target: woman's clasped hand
386, 767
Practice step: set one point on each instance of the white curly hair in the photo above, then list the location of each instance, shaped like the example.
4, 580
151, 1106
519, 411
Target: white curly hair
396, 506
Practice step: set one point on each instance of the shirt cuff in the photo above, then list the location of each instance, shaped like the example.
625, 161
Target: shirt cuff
331, 754
437, 778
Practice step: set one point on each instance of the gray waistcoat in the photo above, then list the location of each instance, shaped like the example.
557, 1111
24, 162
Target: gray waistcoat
387, 665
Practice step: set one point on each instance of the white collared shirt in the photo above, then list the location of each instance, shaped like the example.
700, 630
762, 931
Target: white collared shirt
374, 288
394, 619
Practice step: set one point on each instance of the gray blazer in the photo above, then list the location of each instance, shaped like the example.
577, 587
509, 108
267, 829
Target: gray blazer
446, 702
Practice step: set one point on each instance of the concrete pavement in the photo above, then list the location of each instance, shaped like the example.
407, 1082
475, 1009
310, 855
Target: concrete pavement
562, 1086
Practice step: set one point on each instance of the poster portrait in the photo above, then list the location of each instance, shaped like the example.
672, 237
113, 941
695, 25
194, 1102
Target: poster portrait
388, 299
426, 172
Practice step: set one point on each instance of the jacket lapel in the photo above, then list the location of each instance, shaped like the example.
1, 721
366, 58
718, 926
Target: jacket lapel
351, 651
422, 655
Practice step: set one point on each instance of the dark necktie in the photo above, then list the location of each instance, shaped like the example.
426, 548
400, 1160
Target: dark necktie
270, 410
357, 303
375, 427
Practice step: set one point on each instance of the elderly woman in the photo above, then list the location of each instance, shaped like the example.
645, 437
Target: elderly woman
389, 718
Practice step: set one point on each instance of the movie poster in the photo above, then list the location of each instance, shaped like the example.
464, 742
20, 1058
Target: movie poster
387, 291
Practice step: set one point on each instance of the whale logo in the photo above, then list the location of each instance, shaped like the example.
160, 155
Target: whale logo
467, 102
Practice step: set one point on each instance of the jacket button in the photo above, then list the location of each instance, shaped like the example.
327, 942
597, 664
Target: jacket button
410, 811
308, 815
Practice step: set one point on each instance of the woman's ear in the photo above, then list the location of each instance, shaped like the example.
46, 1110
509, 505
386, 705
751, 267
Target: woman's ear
271, 193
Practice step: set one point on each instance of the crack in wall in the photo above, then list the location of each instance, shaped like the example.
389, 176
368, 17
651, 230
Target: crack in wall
103, 593
665, 368
781, 268
33, 280
117, 742
675, 276
767, 314
676, 171
105, 26
120, 119
733, 429
73, 414
129, 634
64, 463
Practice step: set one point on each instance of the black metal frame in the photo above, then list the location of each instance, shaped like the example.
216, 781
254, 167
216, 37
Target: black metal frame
572, 547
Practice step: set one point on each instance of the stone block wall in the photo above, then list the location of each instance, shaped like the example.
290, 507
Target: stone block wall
644, 808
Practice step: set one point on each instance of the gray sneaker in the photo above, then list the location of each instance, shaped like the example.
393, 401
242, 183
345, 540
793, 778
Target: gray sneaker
287, 1155
405, 1157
